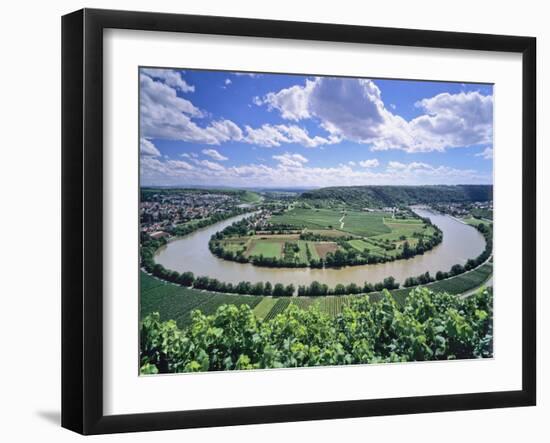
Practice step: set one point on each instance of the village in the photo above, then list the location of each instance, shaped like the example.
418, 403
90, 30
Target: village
162, 212
478, 209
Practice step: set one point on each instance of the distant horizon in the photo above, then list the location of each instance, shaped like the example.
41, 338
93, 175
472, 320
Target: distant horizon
237, 130
302, 187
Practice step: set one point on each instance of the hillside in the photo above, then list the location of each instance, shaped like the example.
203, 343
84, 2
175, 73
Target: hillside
381, 196
246, 196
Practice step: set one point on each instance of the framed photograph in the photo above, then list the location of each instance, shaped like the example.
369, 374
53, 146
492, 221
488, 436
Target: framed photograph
270, 221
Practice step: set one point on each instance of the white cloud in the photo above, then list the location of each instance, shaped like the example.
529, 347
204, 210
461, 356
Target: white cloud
170, 77
291, 160
453, 120
423, 172
487, 153
292, 170
274, 135
353, 109
225, 130
147, 148
352, 163
247, 74
179, 164
293, 102
227, 81
212, 153
413, 166
163, 114
186, 155
161, 94
211, 165
371, 163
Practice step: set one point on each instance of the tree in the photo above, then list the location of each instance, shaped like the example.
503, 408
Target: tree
389, 283
367, 287
258, 288
268, 288
339, 289
278, 290
315, 288
186, 279
289, 290
201, 282
407, 251
457, 269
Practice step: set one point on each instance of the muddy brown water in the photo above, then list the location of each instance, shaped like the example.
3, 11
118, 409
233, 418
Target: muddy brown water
191, 253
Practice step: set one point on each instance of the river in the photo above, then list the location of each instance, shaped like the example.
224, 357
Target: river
191, 253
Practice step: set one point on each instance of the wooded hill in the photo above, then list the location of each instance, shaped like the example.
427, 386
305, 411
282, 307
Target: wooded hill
385, 196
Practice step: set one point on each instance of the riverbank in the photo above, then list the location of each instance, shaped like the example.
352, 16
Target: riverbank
175, 302
191, 253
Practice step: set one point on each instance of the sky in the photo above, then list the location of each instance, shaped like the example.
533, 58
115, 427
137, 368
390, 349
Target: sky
218, 128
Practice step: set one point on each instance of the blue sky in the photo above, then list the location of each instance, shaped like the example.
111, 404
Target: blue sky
272, 130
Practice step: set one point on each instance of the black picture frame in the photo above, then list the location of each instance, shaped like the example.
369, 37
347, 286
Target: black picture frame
82, 188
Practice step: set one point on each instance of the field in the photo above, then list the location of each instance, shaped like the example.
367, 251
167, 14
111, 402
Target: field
264, 307
455, 285
360, 223
250, 197
278, 307
274, 246
266, 248
300, 218
365, 224
175, 302
372, 233
484, 213
476, 221
390, 243
323, 248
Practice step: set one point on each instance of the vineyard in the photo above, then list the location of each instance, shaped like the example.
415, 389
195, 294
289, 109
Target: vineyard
454, 285
174, 302
429, 326
279, 307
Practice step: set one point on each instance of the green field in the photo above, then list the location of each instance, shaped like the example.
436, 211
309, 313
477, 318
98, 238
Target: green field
365, 224
264, 307
372, 232
278, 307
390, 243
359, 223
250, 197
266, 248
484, 213
401, 221
273, 246
476, 221
236, 245
455, 285
300, 218
333, 305
175, 302
361, 245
